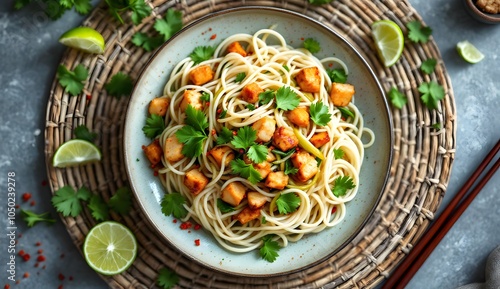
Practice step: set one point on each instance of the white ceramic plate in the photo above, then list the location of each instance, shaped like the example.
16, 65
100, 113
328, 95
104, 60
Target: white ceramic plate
369, 98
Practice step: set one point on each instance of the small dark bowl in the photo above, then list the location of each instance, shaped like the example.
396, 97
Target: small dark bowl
479, 15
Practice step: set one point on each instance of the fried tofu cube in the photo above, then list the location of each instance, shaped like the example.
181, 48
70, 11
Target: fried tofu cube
285, 139
159, 106
193, 98
307, 165
233, 193
195, 181
276, 180
153, 152
173, 149
201, 74
250, 93
270, 156
236, 48
264, 168
341, 93
218, 153
320, 139
309, 79
247, 214
256, 200
265, 128
299, 116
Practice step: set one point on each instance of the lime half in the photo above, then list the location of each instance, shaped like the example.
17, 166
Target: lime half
469, 52
389, 41
85, 39
110, 248
76, 152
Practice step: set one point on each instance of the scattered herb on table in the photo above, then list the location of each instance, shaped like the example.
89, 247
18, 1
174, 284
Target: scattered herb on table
397, 98
428, 66
121, 201
138, 8
67, 201
432, 93
72, 81
82, 132
98, 208
31, 218
319, 2
121, 84
166, 278
417, 32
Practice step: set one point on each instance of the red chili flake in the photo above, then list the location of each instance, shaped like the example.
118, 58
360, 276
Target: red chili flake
213, 36
17, 206
219, 111
197, 226
155, 173
26, 275
26, 197
32, 203
234, 132
26, 257
197, 242
18, 281
241, 151
61, 256
43, 267
40, 251
334, 210
89, 96
60, 287
60, 277
302, 38
40, 258
214, 132
21, 253
175, 221
7, 286
186, 225
44, 183
38, 244
207, 103
70, 278
36, 265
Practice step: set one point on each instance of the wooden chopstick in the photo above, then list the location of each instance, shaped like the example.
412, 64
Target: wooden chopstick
417, 256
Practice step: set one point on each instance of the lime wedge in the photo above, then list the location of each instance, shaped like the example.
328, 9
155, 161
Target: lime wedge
469, 52
85, 39
110, 248
75, 152
389, 41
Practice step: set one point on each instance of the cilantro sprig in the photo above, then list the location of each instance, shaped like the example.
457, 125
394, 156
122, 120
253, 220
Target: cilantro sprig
202, 53
312, 45
193, 134
154, 126
286, 98
342, 185
54, 9
320, 114
245, 139
224, 136
432, 93
269, 249
139, 9
166, 278
287, 203
173, 204
121, 84
72, 81
245, 170
67, 201
166, 27
428, 66
31, 218
417, 32
337, 75
224, 207
397, 98
82, 132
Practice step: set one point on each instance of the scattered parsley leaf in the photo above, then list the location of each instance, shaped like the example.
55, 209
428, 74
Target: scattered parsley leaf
319, 2
240, 76
192, 140
263, 220
166, 278
224, 207
287, 203
342, 185
319, 113
289, 168
170, 24
82, 6
437, 126
140, 10
428, 66
119, 85
82, 132
338, 153
266, 96
337, 75
245, 137
154, 126
397, 98
246, 171
202, 53
31, 218
345, 112
55, 10
432, 93
250, 107
98, 208
148, 43
196, 118
312, 45
269, 249
417, 32
121, 201
67, 201
286, 98
173, 204
72, 81
257, 153
205, 96
225, 136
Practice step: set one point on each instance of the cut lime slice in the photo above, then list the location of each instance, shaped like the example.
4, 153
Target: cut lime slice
85, 39
110, 248
75, 152
469, 52
389, 41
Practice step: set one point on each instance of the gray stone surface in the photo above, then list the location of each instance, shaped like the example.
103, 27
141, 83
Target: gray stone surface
29, 54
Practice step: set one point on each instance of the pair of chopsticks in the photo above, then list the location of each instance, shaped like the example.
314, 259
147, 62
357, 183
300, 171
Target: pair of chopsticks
417, 256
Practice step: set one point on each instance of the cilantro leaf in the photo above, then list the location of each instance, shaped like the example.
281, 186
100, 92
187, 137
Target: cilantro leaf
55, 10
205, 96
342, 185
224, 207
98, 208
173, 204
18, 4
246, 171
82, 132
225, 136
337, 75
346, 113
397, 98
121, 201
166, 278
287, 203
196, 118
428, 66
417, 32
289, 168
269, 249
338, 153
245, 137
146, 42
67, 201
72, 81
82, 6
437, 126
192, 140
319, 113
140, 10
31, 218
286, 98
119, 85
432, 93
250, 107
257, 153
222, 114
319, 2
202, 53
266, 96
154, 126
170, 24
312, 45
240, 76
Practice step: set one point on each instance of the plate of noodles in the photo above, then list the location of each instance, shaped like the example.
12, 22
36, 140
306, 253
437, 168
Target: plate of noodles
257, 141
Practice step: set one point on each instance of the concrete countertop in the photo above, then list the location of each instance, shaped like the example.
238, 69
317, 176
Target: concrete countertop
29, 54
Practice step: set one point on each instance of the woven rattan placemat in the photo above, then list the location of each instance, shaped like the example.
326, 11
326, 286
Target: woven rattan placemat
419, 173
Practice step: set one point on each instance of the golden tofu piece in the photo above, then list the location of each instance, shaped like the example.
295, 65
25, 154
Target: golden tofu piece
159, 106
276, 180
173, 149
201, 74
306, 164
270, 156
256, 200
265, 128
250, 93
193, 98
236, 48
247, 215
309, 79
218, 153
195, 181
341, 93
285, 139
153, 152
299, 116
233, 193
320, 139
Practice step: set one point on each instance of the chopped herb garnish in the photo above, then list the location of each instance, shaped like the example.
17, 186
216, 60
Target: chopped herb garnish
269, 249
398, 99
287, 203
173, 204
428, 66
202, 53
246, 171
337, 75
286, 98
320, 114
342, 185
154, 126
312, 45
224, 207
240, 76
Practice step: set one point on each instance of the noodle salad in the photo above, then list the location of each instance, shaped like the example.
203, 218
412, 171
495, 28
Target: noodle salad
256, 141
